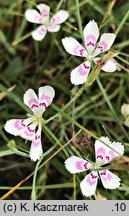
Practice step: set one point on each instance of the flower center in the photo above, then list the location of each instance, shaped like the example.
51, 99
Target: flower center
45, 21
37, 119
89, 58
96, 166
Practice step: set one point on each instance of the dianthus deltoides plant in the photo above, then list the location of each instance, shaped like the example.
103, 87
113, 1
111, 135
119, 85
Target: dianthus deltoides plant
47, 124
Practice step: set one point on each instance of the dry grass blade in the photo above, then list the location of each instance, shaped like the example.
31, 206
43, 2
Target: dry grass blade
4, 94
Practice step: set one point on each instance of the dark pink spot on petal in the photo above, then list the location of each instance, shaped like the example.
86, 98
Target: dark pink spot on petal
43, 105
90, 40
46, 100
86, 66
82, 51
19, 124
97, 61
107, 158
78, 50
34, 106
83, 69
22, 123
103, 172
81, 165
33, 102
93, 176
37, 137
90, 44
37, 140
86, 165
106, 176
100, 157
30, 130
91, 179
102, 46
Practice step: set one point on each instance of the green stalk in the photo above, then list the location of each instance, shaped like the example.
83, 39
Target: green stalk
111, 107
79, 18
33, 193
122, 23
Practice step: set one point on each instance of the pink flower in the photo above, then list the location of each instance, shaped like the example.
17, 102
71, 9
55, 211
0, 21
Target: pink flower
89, 51
41, 16
31, 127
104, 155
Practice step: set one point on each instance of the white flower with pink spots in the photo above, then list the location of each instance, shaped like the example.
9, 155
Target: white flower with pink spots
31, 127
104, 155
42, 16
89, 51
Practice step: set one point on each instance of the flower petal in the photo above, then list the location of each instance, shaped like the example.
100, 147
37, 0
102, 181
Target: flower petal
76, 164
31, 99
125, 110
118, 147
89, 184
109, 180
29, 132
105, 154
39, 33
79, 74
60, 17
44, 11
36, 150
91, 34
21, 127
53, 28
73, 47
46, 95
100, 150
15, 126
110, 65
33, 16
105, 43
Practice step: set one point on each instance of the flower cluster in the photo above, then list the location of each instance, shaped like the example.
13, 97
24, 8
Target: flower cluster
104, 155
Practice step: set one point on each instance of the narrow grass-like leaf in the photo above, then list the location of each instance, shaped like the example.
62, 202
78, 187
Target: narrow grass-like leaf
111, 107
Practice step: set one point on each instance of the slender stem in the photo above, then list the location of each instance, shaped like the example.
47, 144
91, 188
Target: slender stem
79, 18
111, 107
33, 193
122, 23
53, 186
14, 43
74, 186
73, 116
